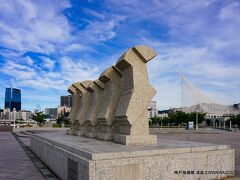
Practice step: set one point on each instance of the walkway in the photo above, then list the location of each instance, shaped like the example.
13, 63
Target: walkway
14, 163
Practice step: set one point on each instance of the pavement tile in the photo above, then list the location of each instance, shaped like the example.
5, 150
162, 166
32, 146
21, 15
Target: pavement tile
14, 162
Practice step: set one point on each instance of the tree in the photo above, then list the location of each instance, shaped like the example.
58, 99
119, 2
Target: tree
155, 120
62, 119
39, 116
235, 120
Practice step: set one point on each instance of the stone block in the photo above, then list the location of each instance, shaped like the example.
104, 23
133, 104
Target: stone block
96, 90
111, 78
137, 92
85, 104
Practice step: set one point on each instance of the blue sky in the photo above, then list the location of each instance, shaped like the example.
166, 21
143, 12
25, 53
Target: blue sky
47, 45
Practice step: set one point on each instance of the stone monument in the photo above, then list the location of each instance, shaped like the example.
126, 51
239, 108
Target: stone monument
96, 89
131, 115
75, 105
85, 104
114, 108
111, 78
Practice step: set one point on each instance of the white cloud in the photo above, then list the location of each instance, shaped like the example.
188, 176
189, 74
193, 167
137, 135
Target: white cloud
17, 71
29, 61
48, 63
75, 47
38, 77
78, 70
207, 70
202, 41
33, 25
96, 14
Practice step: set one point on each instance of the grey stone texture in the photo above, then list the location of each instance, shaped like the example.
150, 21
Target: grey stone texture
99, 160
85, 105
131, 115
111, 78
96, 89
75, 106
114, 107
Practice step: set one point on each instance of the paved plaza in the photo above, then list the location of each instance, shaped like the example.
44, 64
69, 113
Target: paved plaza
14, 163
223, 137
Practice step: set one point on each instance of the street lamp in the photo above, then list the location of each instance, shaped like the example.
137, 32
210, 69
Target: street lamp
196, 119
14, 117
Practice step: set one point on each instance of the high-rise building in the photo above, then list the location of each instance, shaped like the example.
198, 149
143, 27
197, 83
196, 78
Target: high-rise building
13, 99
66, 101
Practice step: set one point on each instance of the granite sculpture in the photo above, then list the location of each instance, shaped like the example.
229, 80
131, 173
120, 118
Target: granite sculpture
75, 105
114, 107
131, 115
111, 78
96, 89
85, 104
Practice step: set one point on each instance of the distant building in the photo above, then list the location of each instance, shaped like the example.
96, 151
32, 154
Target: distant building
237, 106
22, 115
152, 109
66, 101
1, 113
13, 99
6, 113
51, 111
63, 110
58, 111
163, 113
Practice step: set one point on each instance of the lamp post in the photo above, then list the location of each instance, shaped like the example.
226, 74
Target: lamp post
14, 117
197, 119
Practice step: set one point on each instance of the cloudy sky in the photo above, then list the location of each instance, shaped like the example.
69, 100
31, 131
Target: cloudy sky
47, 45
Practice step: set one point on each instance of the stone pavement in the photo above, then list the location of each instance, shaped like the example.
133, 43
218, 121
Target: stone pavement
224, 138
14, 163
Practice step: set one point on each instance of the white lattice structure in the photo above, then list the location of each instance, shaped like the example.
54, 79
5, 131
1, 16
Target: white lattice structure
193, 99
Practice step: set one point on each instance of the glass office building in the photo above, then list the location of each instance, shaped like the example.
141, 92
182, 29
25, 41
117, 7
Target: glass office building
13, 99
66, 101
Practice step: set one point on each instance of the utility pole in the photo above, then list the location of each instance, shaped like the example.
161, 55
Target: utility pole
197, 119
14, 118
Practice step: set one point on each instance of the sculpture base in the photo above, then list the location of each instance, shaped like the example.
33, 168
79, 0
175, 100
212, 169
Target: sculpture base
90, 134
72, 157
78, 133
135, 140
105, 136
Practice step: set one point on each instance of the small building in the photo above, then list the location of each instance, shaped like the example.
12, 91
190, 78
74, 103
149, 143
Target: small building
163, 113
51, 111
58, 111
152, 109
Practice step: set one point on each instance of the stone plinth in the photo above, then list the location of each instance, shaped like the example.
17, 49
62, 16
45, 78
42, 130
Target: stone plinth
111, 78
88, 158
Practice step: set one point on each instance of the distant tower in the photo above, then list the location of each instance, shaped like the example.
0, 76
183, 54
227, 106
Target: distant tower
13, 99
66, 101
